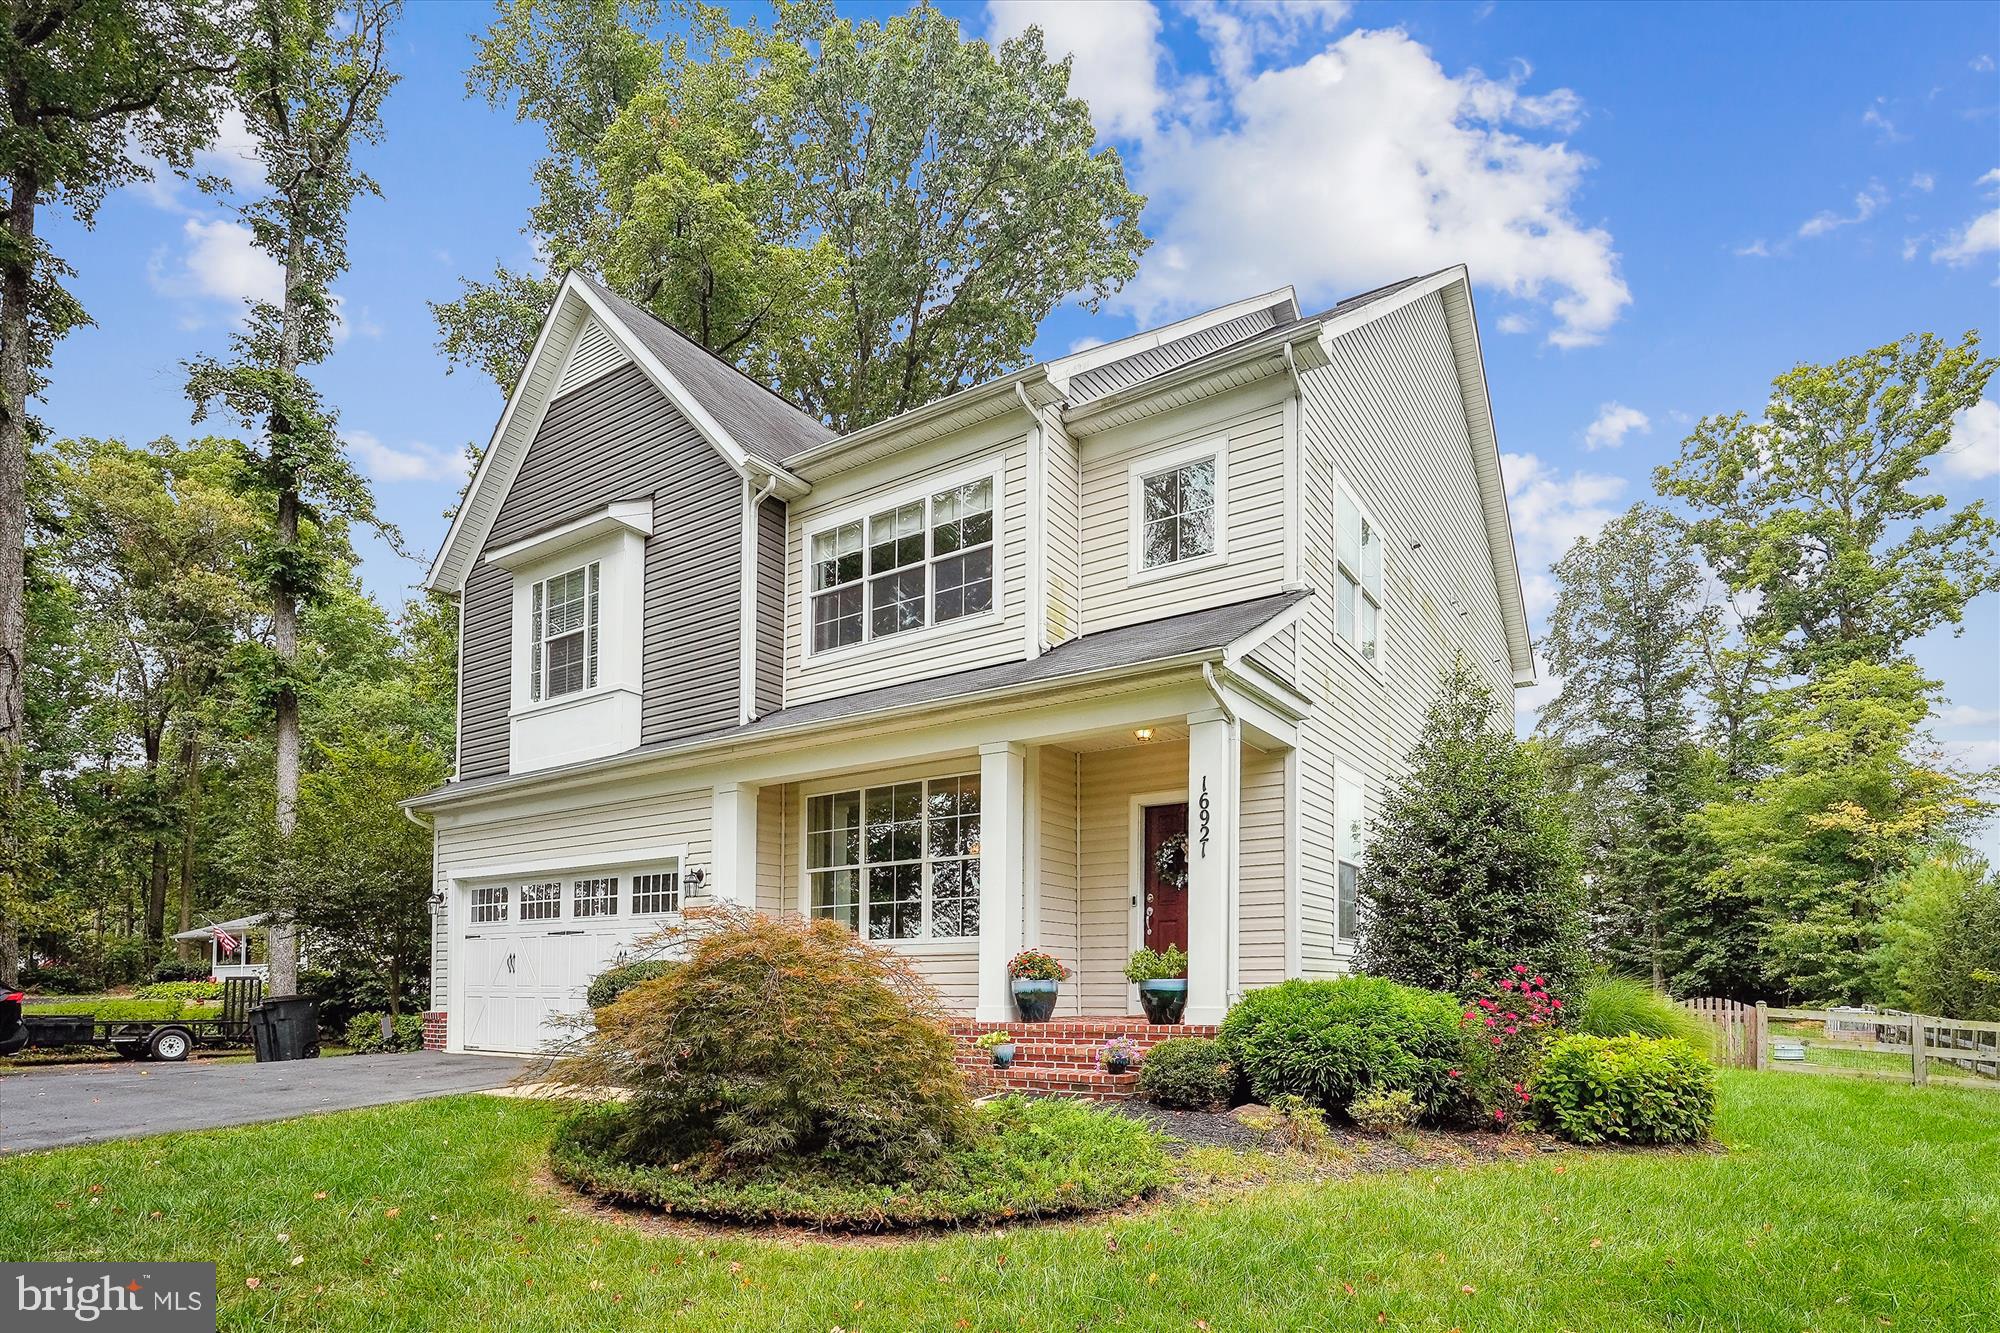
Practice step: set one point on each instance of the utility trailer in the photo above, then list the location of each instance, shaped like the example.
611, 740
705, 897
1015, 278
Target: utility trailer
168, 1039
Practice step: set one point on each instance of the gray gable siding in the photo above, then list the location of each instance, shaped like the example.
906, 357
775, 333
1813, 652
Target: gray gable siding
618, 438
770, 607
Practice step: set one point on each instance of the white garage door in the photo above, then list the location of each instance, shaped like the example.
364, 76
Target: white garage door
522, 977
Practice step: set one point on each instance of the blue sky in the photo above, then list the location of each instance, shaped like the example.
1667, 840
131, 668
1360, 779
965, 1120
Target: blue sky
1662, 207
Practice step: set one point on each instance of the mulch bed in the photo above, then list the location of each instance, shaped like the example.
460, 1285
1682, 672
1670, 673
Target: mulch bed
1347, 1149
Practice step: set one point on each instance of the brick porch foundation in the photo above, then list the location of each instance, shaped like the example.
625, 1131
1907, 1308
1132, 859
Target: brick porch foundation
434, 1030
1060, 1057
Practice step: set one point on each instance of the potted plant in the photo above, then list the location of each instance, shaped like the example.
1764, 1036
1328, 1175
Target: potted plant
1119, 1055
1036, 976
1162, 982
1000, 1045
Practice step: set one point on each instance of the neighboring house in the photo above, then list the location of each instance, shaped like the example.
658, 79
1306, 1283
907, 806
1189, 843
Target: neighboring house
1118, 649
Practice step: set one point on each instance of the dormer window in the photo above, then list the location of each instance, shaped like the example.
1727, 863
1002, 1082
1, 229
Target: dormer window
563, 633
922, 561
1178, 510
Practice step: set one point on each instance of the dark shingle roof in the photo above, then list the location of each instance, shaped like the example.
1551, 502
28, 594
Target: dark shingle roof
755, 417
1107, 650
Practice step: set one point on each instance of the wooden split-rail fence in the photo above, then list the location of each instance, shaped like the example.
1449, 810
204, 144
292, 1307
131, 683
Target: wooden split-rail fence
1745, 1038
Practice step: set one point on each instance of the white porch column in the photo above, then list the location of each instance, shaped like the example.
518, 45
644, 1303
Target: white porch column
1212, 784
733, 833
1002, 872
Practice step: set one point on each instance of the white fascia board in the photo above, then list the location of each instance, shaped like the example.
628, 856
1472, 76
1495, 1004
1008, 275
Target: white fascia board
1388, 305
448, 569
1064, 368
1304, 339
622, 516
872, 443
1250, 642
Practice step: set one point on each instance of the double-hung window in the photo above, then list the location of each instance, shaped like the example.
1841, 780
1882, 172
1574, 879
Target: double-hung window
922, 562
1177, 506
562, 619
899, 861
1358, 580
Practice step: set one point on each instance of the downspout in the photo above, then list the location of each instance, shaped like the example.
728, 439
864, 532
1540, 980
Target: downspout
1295, 519
1035, 635
746, 643
1231, 988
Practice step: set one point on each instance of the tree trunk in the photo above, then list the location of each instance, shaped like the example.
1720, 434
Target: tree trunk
16, 280
283, 941
190, 821
395, 988
156, 878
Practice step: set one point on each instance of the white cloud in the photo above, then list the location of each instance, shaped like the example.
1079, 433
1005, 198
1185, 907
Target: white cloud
1866, 204
1244, 32
1875, 118
1923, 182
1530, 701
1964, 715
1982, 63
1084, 344
1755, 250
1550, 512
1974, 755
1974, 239
221, 262
1614, 422
1974, 451
233, 154
1516, 324
418, 462
1116, 49
1369, 162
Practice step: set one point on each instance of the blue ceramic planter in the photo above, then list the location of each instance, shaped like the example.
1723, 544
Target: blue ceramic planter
1164, 1000
1035, 1000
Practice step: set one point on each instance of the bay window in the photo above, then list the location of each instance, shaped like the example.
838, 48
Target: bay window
900, 861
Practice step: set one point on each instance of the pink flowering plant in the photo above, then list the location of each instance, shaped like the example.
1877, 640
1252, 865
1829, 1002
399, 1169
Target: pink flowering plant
1508, 1021
1035, 965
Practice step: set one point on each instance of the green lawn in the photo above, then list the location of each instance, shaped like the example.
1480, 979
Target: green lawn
1839, 1205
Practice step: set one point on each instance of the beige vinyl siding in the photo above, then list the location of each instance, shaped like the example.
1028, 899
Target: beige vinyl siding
593, 831
1253, 421
1107, 780
777, 846
1387, 417
1260, 869
1279, 654
933, 650
1056, 864
1063, 480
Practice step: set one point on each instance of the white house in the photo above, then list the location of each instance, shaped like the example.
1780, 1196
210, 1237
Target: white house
1118, 648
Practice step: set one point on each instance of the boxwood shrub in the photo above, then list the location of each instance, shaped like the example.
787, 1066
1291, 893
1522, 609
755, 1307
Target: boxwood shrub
613, 982
1187, 1074
1626, 1089
1331, 1041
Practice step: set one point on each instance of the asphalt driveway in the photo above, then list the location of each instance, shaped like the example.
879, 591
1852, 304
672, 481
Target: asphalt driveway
57, 1107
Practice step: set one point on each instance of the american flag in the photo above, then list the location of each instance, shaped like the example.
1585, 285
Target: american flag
225, 939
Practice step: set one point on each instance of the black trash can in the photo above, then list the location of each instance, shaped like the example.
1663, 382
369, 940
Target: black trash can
285, 1027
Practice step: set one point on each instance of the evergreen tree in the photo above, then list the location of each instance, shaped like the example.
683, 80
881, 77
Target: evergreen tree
1471, 865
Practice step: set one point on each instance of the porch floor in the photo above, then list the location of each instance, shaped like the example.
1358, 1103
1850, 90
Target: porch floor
1060, 1057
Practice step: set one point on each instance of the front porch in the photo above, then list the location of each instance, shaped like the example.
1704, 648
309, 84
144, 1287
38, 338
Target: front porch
1060, 1057
961, 843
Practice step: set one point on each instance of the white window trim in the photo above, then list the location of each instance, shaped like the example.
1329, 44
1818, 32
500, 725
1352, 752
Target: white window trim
548, 546
1375, 663
1151, 465
990, 470
852, 782
621, 559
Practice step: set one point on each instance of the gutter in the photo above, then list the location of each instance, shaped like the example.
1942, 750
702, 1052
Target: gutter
1265, 344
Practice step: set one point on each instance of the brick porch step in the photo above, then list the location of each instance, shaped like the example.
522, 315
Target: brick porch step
1061, 1057
1090, 1084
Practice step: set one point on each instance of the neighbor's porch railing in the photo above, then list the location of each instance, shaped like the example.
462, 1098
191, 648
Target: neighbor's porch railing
1851, 1042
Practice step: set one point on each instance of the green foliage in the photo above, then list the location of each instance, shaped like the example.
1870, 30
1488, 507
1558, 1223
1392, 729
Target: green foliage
1816, 844
986, 1041
1383, 1110
1471, 866
1625, 1006
863, 214
1188, 1074
613, 982
1300, 1125
364, 1034
1330, 1041
1626, 1090
1020, 1159
1940, 950
778, 1043
109, 1010
1146, 965
1813, 506
173, 969
184, 991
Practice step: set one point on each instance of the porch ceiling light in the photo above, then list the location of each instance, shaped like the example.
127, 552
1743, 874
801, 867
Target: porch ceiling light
1143, 733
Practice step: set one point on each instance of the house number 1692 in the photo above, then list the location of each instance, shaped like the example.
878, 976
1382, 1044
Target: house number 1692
1204, 819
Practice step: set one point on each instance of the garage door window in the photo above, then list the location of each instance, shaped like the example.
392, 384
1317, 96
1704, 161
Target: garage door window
658, 892
489, 905
595, 897
541, 902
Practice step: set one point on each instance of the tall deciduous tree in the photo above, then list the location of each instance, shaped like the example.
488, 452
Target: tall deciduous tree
1817, 507
1471, 865
310, 83
89, 91
863, 215
1817, 843
1625, 639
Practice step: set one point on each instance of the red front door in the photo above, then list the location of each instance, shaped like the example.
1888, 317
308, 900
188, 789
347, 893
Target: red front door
1166, 874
